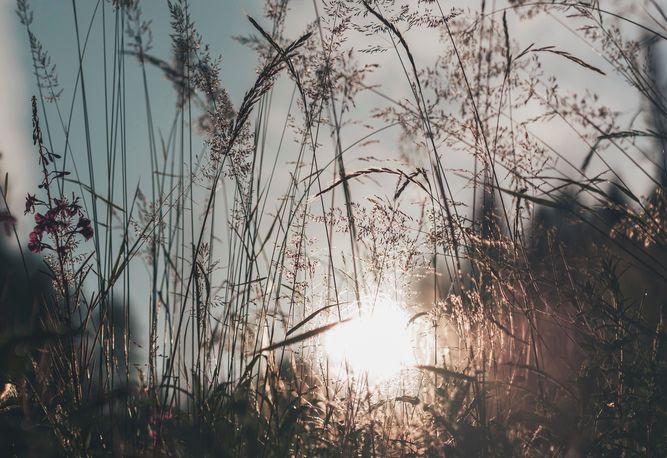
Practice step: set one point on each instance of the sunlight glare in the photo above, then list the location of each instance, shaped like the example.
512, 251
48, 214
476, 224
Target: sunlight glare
375, 343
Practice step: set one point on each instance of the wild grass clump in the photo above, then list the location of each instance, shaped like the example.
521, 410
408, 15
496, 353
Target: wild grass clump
175, 291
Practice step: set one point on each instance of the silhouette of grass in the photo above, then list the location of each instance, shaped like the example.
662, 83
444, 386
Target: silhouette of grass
183, 315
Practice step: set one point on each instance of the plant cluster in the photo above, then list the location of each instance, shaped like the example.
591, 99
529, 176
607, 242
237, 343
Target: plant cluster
385, 148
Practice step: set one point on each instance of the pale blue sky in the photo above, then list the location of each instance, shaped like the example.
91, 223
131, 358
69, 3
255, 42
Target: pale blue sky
219, 21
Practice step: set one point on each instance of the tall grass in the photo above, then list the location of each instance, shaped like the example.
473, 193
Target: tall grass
187, 311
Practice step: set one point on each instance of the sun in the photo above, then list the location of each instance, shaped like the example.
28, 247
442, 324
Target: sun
376, 343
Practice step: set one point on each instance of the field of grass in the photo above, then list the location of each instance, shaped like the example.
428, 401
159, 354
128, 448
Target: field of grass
417, 233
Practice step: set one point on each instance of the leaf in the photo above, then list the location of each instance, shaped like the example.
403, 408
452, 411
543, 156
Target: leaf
589, 156
625, 191
569, 56
446, 373
508, 56
356, 174
414, 400
301, 337
535, 200
310, 317
630, 134
415, 317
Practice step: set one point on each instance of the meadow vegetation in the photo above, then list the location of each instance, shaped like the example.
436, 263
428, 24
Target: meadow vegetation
187, 313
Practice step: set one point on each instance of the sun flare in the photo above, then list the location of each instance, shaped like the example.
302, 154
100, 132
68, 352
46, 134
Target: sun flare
375, 343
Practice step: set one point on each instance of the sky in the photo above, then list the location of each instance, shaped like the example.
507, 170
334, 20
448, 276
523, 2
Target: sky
220, 22
54, 26
15, 141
